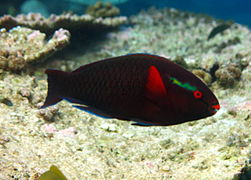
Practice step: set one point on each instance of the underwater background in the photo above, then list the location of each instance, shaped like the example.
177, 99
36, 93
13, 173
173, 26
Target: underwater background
210, 38
236, 10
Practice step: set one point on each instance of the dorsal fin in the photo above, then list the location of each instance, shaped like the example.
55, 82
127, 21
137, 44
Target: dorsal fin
155, 88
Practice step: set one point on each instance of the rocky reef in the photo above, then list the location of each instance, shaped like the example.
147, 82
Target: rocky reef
24, 39
228, 75
84, 146
21, 46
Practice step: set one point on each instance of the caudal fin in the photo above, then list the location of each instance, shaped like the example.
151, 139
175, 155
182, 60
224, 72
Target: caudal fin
55, 87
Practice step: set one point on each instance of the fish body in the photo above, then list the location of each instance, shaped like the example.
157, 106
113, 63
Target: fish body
148, 89
218, 29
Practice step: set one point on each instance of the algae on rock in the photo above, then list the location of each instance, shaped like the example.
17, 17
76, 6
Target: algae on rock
228, 75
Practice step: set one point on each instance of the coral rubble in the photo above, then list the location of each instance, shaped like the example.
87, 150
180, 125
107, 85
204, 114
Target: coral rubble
21, 46
71, 22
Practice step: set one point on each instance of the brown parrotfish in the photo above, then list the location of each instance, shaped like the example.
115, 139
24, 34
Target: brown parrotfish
147, 89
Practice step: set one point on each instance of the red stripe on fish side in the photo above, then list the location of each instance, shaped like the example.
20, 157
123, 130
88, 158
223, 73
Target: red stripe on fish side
155, 86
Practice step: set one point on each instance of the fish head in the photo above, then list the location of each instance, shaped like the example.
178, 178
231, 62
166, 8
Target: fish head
205, 103
211, 102
192, 100
198, 104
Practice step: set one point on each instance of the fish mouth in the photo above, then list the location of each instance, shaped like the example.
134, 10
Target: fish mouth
215, 108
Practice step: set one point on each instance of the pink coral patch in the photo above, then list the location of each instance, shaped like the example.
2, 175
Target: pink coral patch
245, 106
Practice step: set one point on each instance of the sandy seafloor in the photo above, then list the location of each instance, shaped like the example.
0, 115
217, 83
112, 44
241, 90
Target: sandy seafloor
84, 146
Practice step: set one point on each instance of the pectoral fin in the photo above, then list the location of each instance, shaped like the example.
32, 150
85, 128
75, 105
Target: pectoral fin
155, 88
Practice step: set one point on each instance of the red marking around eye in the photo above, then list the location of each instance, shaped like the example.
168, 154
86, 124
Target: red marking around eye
216, 106
197, 94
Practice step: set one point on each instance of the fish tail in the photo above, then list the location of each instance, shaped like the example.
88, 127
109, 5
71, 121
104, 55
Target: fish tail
55, 83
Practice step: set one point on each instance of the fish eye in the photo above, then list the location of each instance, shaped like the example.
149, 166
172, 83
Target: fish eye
197, 94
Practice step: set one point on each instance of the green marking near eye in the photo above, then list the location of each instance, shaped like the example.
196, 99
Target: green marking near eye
183, 85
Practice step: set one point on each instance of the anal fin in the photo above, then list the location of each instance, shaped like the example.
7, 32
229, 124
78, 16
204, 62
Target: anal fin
73, 100
93, 111
142, 124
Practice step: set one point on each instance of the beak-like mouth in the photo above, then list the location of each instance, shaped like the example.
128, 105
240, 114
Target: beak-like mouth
215, 108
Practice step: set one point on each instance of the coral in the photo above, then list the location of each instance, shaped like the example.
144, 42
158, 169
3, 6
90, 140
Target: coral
91, 2
71, 22
51, 131
103, 10
228, 75
203, 75
21, 46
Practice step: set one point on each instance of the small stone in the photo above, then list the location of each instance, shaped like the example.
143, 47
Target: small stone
128, 135
49, 113
25, 92
166, 169
232, 112
5, 101
109, 127
4, 140
208, 62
